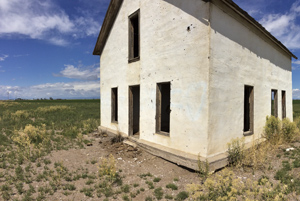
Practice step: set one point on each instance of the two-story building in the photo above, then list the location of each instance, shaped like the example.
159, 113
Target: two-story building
183, 78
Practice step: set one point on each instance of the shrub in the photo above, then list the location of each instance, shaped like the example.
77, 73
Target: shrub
272, 129
126, 188
158, 193
277, 131
288, 130
203, 168
236, 151
182, 196
156, 179
172, 186
226, 186
108, 167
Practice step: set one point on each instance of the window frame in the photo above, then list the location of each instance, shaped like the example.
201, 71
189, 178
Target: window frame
248, 110
158, 116
283, 104
114, 105
131, 41
274, 109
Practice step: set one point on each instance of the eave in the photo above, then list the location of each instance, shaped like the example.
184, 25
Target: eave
115, 5
109, 20
234, 7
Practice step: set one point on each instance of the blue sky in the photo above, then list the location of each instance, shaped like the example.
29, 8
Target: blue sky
46, 48
46, 45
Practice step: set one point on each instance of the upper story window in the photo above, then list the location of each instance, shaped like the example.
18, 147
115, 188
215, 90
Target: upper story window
134, 36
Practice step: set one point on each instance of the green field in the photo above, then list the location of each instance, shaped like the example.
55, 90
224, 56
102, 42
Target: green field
296, 108
66, 117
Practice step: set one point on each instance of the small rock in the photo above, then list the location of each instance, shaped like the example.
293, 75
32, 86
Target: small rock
89, 144
119, 159
104, 135
290, 149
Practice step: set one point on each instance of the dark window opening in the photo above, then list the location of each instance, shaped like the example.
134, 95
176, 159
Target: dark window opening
274, 103
283, 101
163, 101
114, 104
134, 111
248, 109
134, 36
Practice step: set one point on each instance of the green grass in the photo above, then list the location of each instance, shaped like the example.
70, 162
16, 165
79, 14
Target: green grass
74, 117
47, 126
296, 108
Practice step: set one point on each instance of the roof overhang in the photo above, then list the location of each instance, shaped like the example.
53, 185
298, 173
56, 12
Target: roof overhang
234, 7
109, 20
115, 5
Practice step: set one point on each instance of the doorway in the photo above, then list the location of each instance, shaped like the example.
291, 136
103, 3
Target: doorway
134, 111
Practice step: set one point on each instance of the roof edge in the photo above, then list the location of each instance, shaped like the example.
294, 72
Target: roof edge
115, 5
251, 20
108, 22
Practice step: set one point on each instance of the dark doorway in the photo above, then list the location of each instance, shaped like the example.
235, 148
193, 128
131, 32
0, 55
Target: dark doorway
163, 101
134, 111
248, 109
114, 105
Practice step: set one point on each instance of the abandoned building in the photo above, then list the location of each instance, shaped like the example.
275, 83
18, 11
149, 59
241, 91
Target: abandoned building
181, 78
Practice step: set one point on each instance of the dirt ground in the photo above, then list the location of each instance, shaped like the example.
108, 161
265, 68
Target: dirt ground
131, 161
136, 167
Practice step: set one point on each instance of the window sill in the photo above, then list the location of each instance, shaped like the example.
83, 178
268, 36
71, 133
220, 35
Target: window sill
114, 122
163, 133
133, 59
247, 133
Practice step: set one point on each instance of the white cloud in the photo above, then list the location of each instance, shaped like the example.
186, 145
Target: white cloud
296, 93
3, 57
43, 20
81, 73
86, 89
296, 62
285, 26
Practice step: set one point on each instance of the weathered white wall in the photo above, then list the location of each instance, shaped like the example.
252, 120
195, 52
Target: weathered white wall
169, 53
238, 58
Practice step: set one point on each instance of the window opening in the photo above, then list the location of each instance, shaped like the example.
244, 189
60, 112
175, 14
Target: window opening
274, 103
134, 36
283, 101
163, 111
248, 109
114, 104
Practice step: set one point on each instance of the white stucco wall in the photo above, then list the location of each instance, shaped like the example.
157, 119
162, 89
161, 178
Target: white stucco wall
238, 58
169, 53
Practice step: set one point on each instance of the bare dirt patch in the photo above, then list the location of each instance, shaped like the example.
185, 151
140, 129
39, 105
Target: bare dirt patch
133, 165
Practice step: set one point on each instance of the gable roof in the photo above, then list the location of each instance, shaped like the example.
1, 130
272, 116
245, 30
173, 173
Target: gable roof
115, 5
110, 17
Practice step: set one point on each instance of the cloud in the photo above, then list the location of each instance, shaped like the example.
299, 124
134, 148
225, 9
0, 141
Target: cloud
81, 73
3, 57
85, 89
296, 62
285, 26
296, 93
43, 20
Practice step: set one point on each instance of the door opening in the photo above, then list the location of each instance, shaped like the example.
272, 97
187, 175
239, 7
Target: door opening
134, 111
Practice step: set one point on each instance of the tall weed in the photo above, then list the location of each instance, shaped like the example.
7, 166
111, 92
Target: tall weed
272, 129
227, 186
236, 151
277, 131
